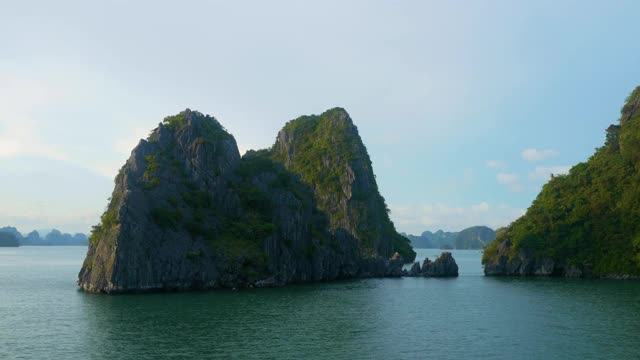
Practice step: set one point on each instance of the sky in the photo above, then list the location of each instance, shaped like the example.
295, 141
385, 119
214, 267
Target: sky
465, 107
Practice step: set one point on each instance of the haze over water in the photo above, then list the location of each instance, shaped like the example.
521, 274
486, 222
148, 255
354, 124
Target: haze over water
43, 315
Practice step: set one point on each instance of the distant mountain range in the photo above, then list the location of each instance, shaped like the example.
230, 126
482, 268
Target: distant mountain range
53, 238
475, 237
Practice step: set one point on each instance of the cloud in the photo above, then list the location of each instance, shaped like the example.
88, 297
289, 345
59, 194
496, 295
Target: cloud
482, 207
20, 138
544, 172
496, 164
507, 179
19, 135
533, 155
510, 180
415, 219
48, 111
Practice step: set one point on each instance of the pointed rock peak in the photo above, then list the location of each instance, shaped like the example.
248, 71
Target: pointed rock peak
332, 117
337, 113
631, 106
338, 118
196, 123
188, 117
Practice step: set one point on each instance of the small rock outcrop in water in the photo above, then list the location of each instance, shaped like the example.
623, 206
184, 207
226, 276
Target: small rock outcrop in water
415, 270
188, 212
444, 266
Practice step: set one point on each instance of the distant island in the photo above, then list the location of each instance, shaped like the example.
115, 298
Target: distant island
188, 212
475, 237
8, 240
586, 223
53, 238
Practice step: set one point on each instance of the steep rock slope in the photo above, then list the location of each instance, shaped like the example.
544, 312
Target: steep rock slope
188, 212
327, 151
584, 224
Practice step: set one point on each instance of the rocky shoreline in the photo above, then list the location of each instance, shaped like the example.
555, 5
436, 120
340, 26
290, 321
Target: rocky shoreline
524, 263
443, 266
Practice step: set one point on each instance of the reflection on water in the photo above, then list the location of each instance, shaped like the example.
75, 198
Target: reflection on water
43, 315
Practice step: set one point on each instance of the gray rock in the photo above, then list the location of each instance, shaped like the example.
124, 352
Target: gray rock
544, 267
572, 271
270, 282
444, 266
394, 266
415, 270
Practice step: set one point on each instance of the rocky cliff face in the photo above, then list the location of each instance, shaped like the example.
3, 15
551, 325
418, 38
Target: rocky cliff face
188, 212
328, 153
525, 264
584, 224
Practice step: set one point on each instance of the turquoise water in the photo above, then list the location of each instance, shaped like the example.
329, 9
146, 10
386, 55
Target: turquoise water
42, 315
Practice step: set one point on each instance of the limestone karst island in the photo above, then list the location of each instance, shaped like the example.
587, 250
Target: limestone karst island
188, 212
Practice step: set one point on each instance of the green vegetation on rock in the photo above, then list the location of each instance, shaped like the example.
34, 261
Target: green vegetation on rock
188, 212
211, 132
587, 219
150, 173
327, 152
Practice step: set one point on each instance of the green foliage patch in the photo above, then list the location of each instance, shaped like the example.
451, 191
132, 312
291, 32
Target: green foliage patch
327, 148
150, 173
589, 216
167, 218
211, 130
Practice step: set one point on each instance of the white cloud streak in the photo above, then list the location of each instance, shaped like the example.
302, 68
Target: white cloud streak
415, 219
510, 180
507, 179
533, 155
496, 164
41, 109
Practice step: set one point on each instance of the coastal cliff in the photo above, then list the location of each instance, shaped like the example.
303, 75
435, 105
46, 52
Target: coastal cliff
188, 212
584, 224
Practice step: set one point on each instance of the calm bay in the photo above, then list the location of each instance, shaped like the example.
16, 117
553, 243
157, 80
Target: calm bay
43, 315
